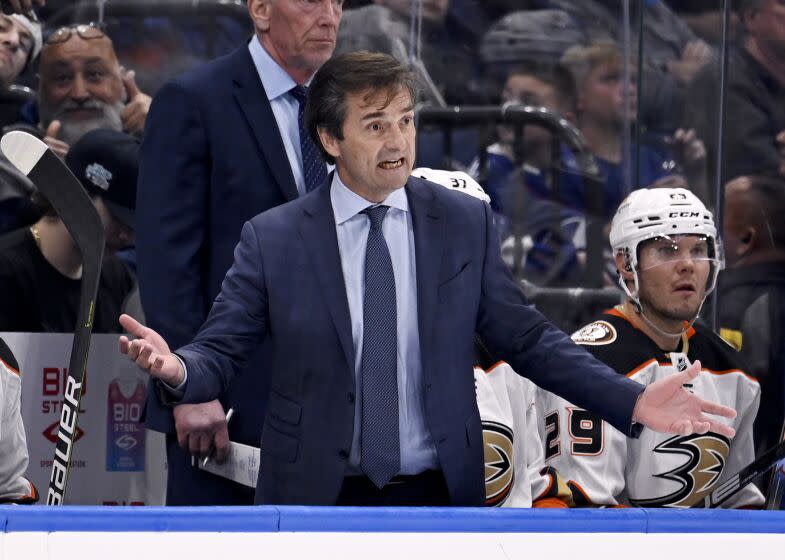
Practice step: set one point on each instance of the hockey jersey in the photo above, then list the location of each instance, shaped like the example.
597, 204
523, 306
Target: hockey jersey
14, 487
515, 474
605, 468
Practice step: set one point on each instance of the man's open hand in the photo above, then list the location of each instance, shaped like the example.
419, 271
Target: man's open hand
150, 352
666, 406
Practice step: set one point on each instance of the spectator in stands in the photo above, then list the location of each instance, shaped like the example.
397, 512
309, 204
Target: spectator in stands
537, 85
597, 70
668, 255
523, 200
14, 487
20, 42
223, 143
83, 87
446, 52
705, 18
672, 53
752, 292
474, 17
41, 266
755, 115
528, 36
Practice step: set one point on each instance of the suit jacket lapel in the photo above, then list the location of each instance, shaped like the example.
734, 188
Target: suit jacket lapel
317, 229
250, 95
428, 247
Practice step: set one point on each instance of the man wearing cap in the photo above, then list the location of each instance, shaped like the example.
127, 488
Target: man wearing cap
41, 266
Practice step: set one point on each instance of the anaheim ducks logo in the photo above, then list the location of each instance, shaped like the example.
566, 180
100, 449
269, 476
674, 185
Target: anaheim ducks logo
499, 466
595, 334
706, 456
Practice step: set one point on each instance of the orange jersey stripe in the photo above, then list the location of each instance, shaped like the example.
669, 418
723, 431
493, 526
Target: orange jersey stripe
494, 366
616, 313
640, 367
714, 372
11, 369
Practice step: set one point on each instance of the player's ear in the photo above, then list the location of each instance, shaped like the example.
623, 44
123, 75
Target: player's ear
623, 265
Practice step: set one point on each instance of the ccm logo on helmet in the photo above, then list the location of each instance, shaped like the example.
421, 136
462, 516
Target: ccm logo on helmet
684, 215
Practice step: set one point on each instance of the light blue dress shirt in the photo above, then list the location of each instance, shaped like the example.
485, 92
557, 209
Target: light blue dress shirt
277, 84
418, 452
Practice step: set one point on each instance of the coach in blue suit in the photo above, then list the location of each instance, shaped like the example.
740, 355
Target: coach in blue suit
221, 145
370, 295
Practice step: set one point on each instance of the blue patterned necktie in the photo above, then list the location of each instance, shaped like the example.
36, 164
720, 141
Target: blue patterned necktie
314, 170
380, 457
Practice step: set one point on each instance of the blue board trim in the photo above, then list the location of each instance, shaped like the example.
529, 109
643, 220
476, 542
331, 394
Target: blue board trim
385, 520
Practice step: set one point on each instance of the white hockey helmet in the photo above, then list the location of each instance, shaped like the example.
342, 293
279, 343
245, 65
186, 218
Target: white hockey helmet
456, 180
662, 213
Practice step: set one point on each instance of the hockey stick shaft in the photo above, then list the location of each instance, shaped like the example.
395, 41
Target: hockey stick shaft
745, 476
65, 193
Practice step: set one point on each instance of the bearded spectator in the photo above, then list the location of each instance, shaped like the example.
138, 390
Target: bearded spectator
82, 87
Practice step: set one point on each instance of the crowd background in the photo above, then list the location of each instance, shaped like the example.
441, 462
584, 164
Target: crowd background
566, 106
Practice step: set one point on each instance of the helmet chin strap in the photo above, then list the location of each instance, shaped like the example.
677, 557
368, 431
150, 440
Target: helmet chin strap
639, 311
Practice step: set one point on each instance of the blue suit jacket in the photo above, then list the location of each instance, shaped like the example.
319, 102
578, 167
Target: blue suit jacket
286, 286
211, 158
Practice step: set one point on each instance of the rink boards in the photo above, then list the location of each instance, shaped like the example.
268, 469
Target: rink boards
87, 533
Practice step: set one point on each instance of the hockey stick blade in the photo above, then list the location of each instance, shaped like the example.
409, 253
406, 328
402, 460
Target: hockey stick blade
65, 193
745, 476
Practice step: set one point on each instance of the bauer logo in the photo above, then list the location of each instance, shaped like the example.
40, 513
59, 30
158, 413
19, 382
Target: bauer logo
66, 436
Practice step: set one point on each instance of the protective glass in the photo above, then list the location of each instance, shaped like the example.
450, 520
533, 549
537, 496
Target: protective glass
667, 249
85, 31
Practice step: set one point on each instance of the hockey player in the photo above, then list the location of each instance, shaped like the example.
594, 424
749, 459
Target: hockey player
668, 256
515, 472
14, 487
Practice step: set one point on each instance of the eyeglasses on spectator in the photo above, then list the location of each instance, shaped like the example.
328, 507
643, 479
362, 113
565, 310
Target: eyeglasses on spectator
86, 31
